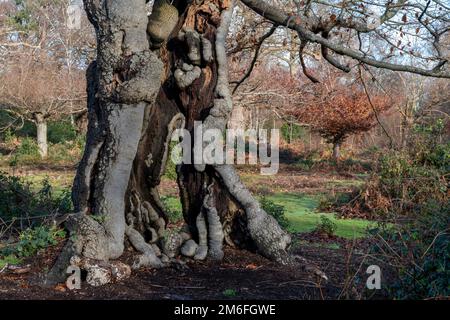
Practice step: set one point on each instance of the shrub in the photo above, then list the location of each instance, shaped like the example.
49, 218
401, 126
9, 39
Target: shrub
9, 259
276, 211
61, 131
418, 252
171, 168
66, 152
9, 137
22, 202
33, 240
292, 132
406, 179
305, 164
28, 130
28, 151
172, 207
326, 226
28, 147
230, 293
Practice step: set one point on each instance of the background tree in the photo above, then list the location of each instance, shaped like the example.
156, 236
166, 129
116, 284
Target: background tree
42, 76
35, 91
336, 110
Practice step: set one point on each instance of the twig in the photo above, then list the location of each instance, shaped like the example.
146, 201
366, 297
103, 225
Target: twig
4, 268
391, 142
255, 57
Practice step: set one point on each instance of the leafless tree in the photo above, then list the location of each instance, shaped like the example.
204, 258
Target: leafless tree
42, 76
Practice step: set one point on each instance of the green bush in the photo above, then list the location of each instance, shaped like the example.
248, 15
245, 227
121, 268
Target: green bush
276, 211
61, 131
22, 202
28, 151
28, 130
292, 132
410, 180
31, 241
230, 293
171, 168
406, 179
172, 207
9, 259
417, 245
28, 148
305, 164
9, 136
326, 226
66, 152
419, 250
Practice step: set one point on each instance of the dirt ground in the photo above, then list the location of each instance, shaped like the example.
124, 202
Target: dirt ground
241, 275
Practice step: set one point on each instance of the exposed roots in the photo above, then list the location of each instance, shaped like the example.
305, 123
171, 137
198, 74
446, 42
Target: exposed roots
271, 240
88, 239
148, 257
215, 229
202, 250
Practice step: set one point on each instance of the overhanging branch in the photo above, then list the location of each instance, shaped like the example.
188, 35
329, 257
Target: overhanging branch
279, 17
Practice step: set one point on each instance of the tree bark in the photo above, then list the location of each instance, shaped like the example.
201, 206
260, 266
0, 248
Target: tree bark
337, 150
137, 95
41, 128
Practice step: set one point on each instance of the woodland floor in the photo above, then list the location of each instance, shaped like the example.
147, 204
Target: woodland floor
242, 275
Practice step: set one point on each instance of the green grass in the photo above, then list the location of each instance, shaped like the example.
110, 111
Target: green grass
330, 245
302, 215
60, 181
345, 183
173, 208
11, 259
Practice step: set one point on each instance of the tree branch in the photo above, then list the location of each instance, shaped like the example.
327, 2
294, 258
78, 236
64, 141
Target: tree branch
278, 16
255, 57
303, 44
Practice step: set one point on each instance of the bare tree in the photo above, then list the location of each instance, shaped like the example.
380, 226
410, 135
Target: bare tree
42, 76
37, 91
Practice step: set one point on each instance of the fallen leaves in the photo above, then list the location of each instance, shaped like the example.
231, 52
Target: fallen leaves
60, 287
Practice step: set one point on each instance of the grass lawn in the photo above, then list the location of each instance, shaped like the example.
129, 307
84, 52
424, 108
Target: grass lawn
301, 213
60, 181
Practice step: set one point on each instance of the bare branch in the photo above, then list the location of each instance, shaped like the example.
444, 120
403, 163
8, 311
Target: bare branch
302, 62
278, 16
255, 57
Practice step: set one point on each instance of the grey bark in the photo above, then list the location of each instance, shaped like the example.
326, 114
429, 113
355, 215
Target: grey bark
123, 85
123, 82
336, 151
41, 126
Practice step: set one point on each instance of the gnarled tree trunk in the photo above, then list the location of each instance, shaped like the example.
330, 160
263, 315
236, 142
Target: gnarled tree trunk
138, 95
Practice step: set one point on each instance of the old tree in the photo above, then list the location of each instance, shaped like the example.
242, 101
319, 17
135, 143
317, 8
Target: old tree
156, 73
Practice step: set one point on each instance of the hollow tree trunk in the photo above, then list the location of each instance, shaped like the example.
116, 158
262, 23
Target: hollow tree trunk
137, 96
41, 128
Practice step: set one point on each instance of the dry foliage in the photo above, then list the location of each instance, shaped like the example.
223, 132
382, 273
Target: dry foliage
338, 110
